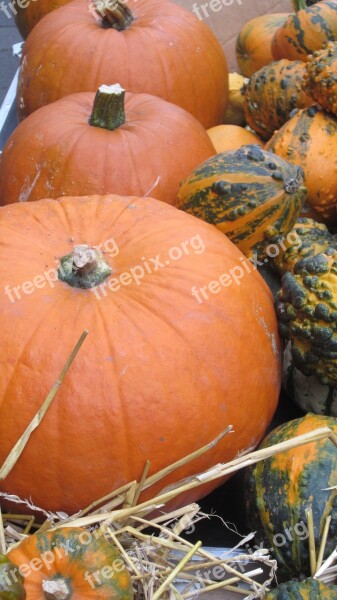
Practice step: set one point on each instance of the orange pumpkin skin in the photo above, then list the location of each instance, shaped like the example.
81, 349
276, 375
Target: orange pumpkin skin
231, 137
27, 17
253, 44
75, 558
156, 360
157, 146
166, 51
306, 31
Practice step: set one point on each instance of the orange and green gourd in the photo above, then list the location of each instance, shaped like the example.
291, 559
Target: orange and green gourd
309, 139
280, 489
305, 30
309, 589
307, 238
253, 44
307, 313
320, 79
71, 564
306, 391
272, 93
250, 195
11, 581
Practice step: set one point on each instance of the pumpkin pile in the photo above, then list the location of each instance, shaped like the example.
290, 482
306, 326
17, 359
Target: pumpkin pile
143, 194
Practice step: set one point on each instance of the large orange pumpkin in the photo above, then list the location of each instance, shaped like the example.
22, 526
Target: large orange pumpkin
182, 342
84, 144
148, 46
28, 14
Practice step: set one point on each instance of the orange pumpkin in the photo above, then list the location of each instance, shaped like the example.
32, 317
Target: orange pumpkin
231, 137
85, 145
253, 44
72, 564
170, 347
148, 46
30, 13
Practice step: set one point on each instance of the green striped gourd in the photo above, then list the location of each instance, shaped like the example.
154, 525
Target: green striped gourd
309, 589
280, 489
251, 195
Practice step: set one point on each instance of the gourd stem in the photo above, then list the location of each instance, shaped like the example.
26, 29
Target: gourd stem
299, 5
108, 111
115, 13
83, 268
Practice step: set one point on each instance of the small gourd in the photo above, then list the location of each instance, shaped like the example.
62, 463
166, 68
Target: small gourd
250, 195
11, 581
272, 93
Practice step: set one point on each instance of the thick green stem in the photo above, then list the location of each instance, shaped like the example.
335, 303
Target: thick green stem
115, 13
83, 268
108, 110
299, 5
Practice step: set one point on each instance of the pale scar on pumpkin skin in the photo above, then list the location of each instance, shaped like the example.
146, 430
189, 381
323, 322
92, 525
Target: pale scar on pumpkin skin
269, 334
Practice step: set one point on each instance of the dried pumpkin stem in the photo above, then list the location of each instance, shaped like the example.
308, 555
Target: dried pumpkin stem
115, 13
108, 110
83, 268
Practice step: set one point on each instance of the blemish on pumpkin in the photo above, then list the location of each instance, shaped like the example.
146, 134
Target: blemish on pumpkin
28, 187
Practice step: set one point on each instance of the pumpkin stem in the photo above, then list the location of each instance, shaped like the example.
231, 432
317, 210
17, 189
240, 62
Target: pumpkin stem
83, 268
115, 13
108, 110
56, 589
299, 5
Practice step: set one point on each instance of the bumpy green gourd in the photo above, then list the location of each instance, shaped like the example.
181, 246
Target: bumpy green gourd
307, 238
307, 313
306, 391
309, 589
11, 582
320, 79
272, 93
